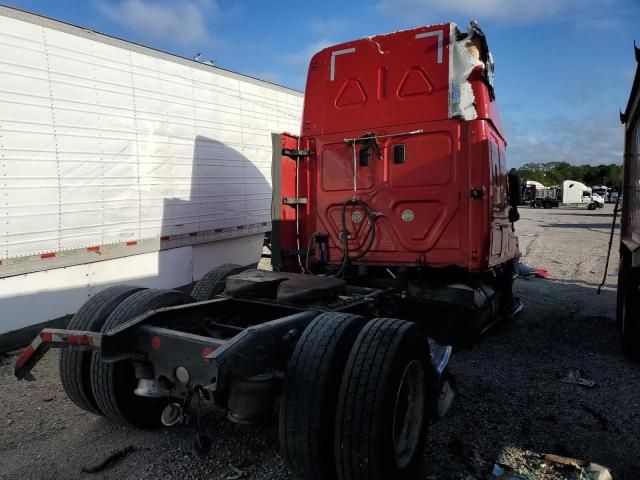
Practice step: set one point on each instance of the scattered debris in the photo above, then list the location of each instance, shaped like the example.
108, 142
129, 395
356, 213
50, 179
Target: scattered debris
585, 470
571, 462
48, 398
576, 377
529, 272
236, 475
502, 472
110, 460
597, 472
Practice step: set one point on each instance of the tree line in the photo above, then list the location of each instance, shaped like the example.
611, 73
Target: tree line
553, 173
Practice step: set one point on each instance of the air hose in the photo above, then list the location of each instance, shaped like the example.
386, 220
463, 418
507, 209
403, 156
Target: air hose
344, 234
613, 228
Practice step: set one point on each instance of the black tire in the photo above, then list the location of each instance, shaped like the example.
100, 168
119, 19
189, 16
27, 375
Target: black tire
113, 383
547, 205
75, 365
310, 393
623, 265
629, 303
385, 353
213, 283
591, 206
600, 205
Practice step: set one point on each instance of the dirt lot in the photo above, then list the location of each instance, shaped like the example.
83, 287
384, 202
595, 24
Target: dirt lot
511, 407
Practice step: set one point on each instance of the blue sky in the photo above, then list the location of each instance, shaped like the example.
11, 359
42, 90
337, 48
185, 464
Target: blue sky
564, 68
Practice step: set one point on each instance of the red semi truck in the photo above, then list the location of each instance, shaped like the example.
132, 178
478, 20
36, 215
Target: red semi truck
392, 235
628, 311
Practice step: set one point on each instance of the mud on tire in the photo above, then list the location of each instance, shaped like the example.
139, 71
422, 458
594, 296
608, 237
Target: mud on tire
75, 365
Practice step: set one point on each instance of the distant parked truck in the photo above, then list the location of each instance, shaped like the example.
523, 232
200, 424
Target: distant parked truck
628, 305
571, 193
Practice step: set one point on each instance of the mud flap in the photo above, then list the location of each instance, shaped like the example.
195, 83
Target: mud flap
444, 384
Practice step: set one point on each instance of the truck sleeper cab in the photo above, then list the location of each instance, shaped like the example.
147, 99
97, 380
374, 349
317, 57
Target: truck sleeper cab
392, 239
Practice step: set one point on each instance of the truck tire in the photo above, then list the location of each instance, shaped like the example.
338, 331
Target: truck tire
547, 205
213, 283
310, 393
629, 305
113, 383
591, 206
383, 403
75, 365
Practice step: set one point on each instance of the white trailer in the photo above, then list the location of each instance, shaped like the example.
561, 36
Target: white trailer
121, 163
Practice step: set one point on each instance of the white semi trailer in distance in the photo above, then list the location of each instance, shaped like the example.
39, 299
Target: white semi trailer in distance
120, 163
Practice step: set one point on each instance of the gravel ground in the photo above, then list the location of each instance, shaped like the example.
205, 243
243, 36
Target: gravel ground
511, 406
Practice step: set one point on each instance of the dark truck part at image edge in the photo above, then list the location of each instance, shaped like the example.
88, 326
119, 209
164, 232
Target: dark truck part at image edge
393, 238
628, 306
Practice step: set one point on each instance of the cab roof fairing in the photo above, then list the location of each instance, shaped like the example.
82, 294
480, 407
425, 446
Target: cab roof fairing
468, 51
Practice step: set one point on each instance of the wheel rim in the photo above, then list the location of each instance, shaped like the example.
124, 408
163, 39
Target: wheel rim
408, 413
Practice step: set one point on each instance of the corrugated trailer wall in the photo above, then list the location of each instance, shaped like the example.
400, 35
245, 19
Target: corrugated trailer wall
111, 150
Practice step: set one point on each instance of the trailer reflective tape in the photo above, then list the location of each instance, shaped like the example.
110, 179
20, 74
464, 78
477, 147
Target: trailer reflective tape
332, 74
52, 337
206, 351
89, 253
437, 33
25, 356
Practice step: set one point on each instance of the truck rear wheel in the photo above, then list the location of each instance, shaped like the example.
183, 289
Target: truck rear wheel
629, 311
113, 383
591, 206
75, 365
213, 283
309, 396
384, 399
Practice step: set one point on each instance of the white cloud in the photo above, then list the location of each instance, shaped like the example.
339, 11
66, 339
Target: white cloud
516, 11
300, 60
180, 22
328, 27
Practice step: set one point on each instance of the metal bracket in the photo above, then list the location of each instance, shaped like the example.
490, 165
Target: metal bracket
294, 201
295, 153
295, 253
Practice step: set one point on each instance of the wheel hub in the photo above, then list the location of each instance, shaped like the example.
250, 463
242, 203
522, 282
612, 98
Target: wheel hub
408, 414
